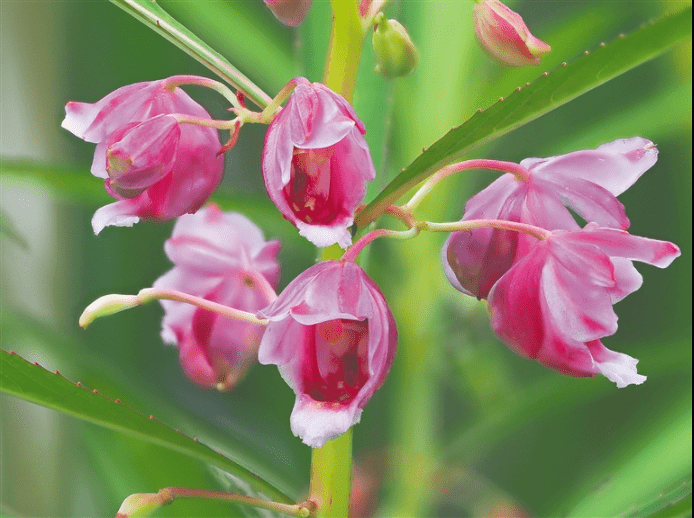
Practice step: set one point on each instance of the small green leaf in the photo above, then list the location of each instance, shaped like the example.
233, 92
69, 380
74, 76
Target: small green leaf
33, 383
548, 92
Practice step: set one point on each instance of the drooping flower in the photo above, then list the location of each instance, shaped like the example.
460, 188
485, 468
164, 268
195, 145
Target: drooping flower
156, 168
504, 35
222, 257
585, 181
333, 338
289, 12
555, 303
316, 163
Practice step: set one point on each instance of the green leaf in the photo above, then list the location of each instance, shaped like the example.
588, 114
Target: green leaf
33, 383
263, 48
656, 476
545, 94
149, 13
71, 184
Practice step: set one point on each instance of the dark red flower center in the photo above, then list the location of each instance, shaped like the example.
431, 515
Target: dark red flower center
308, 190
336, 365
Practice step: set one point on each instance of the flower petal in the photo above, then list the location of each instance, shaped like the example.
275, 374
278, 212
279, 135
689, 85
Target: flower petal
614, 166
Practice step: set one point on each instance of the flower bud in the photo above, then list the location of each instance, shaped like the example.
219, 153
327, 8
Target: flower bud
395, 53
504, 35
289, 12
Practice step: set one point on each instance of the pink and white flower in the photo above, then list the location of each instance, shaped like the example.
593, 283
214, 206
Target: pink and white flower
222, 257
316, 163
555, 303
585, 181
157, 168
504, 35
333, 338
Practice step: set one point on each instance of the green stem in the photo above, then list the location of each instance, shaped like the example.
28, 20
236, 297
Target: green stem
331, 477
346, 43
331, 465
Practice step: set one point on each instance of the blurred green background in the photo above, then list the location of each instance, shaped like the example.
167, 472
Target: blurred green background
462, 427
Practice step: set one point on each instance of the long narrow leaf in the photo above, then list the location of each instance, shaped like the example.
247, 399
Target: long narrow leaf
33, 383
160, 21
547, 93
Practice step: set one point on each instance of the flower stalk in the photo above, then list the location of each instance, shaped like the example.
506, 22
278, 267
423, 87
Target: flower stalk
143, 504
346, 42
110, 304
331, 477
520, 172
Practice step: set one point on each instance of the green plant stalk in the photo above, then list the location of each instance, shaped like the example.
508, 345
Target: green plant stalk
346, 44
331, 465
331, 477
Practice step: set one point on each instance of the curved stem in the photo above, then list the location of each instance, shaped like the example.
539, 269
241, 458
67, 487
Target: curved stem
520, 172
353, 251
208, 123
174, 81
142, 504
539, 233
110, 304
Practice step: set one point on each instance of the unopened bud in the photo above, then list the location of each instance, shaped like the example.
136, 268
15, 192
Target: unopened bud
143, 504
504, 35
395, 53
107, 305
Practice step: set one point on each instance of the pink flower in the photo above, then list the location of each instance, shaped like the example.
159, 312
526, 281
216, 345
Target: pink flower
586, 181
504, 35
289, 12
222, 257
555, 303
157, 168
316, 163
333, 338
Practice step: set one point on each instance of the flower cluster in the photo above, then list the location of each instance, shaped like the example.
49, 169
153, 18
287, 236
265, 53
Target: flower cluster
551, 299
549, 284
157, 168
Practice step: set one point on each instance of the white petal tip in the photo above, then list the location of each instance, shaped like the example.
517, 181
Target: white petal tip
621, 370
316, 423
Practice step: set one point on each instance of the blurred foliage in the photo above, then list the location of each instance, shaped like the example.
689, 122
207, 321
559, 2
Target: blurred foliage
462, 427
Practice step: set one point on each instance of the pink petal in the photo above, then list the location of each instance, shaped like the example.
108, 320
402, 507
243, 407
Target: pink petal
614, 166
119, 214
573, 288
618, 243
473, 261
591, 201
94, 122
289, 12
616, 367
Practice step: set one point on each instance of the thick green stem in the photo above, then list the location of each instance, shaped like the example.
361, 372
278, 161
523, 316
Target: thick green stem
331, 465
346, 43
331, 477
